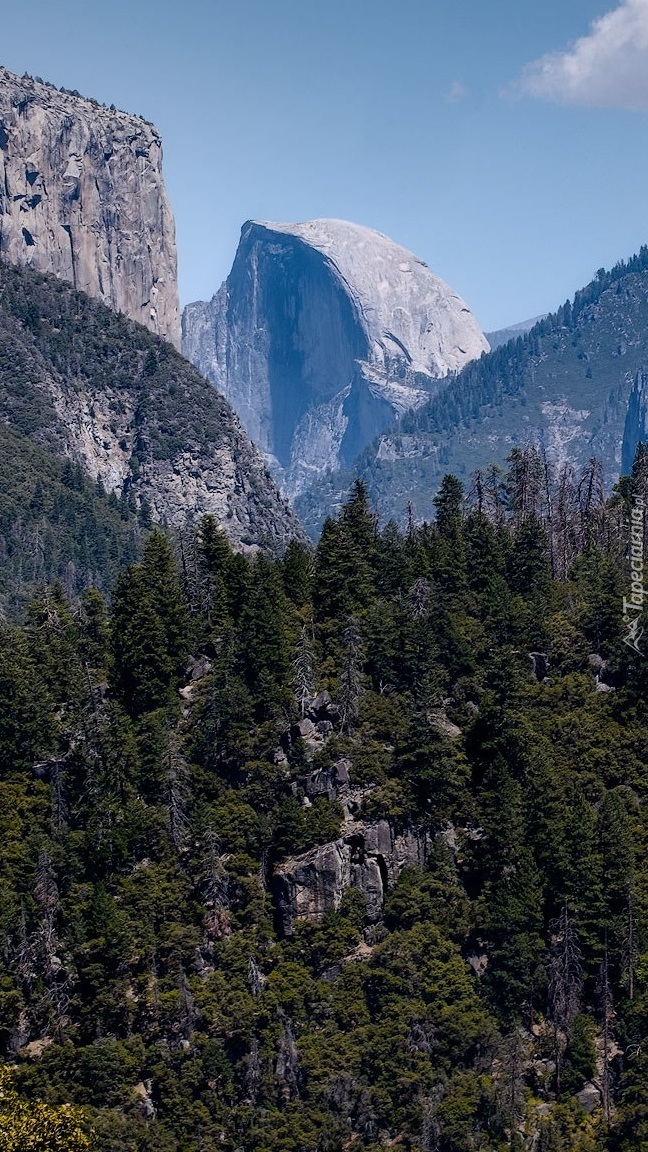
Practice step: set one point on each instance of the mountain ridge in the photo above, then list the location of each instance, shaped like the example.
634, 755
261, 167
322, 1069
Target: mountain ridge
91, 386
565, 385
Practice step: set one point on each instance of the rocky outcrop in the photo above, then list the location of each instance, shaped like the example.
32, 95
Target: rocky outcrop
635, 429
82, 197
123, 404
367, 856
321, 335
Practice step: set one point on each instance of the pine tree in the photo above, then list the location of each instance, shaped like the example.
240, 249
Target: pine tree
264, 652
150, 630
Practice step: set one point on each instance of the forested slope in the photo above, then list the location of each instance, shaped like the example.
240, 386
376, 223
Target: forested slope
105, 429
237, 912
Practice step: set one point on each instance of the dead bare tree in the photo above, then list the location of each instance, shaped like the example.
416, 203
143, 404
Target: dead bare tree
351, 676
176, 786
303, 667
629, 945
565, 982
606, 1015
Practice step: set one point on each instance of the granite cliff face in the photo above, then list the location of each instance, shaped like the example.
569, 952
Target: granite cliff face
368, 857
89, 385
573, 385
636, 423
322, 334
82, 197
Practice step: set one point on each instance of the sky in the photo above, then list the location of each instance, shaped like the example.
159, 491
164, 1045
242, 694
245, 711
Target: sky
503, 142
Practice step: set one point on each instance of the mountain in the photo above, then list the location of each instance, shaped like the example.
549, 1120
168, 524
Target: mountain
569, 385
321, 335
82, 197
82, 384
503, 335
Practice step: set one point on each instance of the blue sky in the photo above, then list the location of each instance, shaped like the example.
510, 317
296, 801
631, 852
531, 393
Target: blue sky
417, 118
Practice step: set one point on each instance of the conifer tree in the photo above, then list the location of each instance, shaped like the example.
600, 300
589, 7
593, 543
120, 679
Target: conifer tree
150, 630
265, 652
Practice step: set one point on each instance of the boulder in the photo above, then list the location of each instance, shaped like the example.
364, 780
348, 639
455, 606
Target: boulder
321, 703
589, 1097
330, 781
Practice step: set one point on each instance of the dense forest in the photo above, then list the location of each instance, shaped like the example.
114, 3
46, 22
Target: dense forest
450, 712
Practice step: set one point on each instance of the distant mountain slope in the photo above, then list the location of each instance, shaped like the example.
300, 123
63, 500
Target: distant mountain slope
565, 385
322, 334
503, 335
92, 387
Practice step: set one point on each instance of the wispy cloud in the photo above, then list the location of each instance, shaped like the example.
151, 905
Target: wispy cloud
608, 68
456, 93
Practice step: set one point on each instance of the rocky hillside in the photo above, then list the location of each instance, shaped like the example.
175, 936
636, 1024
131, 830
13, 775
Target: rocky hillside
569, 385
82, 197
340, 851
85, 385
321, 335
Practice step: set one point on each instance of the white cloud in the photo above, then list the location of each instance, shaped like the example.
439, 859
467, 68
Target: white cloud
608, 68
456, 93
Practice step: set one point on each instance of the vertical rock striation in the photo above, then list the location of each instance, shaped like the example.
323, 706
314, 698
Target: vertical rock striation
82, 197
322, 334
635, 430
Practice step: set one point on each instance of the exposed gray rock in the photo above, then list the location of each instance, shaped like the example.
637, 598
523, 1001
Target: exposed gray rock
478, 963
539, 665
322, 334
143, 1093
320, 705
257, 979
287, 1066
82, 196
589, 1097
440, 721
199, 667
635, 430
303, 729
329, 782
368, 857
146, 425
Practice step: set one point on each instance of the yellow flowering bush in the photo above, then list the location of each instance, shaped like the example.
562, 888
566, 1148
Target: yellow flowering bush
30, 1126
